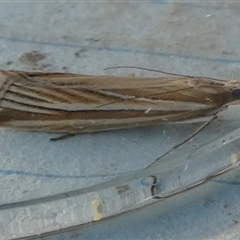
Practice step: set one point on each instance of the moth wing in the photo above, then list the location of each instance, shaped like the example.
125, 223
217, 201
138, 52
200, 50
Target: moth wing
77, 103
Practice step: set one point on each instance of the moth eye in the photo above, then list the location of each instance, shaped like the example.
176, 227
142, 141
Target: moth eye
235, 93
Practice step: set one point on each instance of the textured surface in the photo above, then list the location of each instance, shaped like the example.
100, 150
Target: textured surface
192, 38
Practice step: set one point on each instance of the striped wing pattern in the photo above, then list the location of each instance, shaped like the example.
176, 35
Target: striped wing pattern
74, 103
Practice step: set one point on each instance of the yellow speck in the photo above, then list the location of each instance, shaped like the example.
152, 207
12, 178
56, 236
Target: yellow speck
234, 158
96, 204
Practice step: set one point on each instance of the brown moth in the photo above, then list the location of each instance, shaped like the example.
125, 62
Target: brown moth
75, 103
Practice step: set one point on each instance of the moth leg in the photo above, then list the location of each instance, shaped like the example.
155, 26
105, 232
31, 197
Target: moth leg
62, 137
184, 141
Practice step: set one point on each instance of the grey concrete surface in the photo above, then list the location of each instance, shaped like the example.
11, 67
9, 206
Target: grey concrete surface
199, 38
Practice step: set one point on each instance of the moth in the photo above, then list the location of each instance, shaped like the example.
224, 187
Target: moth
76, 103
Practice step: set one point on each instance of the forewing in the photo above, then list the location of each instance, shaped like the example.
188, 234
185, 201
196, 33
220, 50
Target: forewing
80, 103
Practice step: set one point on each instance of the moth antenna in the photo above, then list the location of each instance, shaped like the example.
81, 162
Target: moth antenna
146, 69
159, 71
